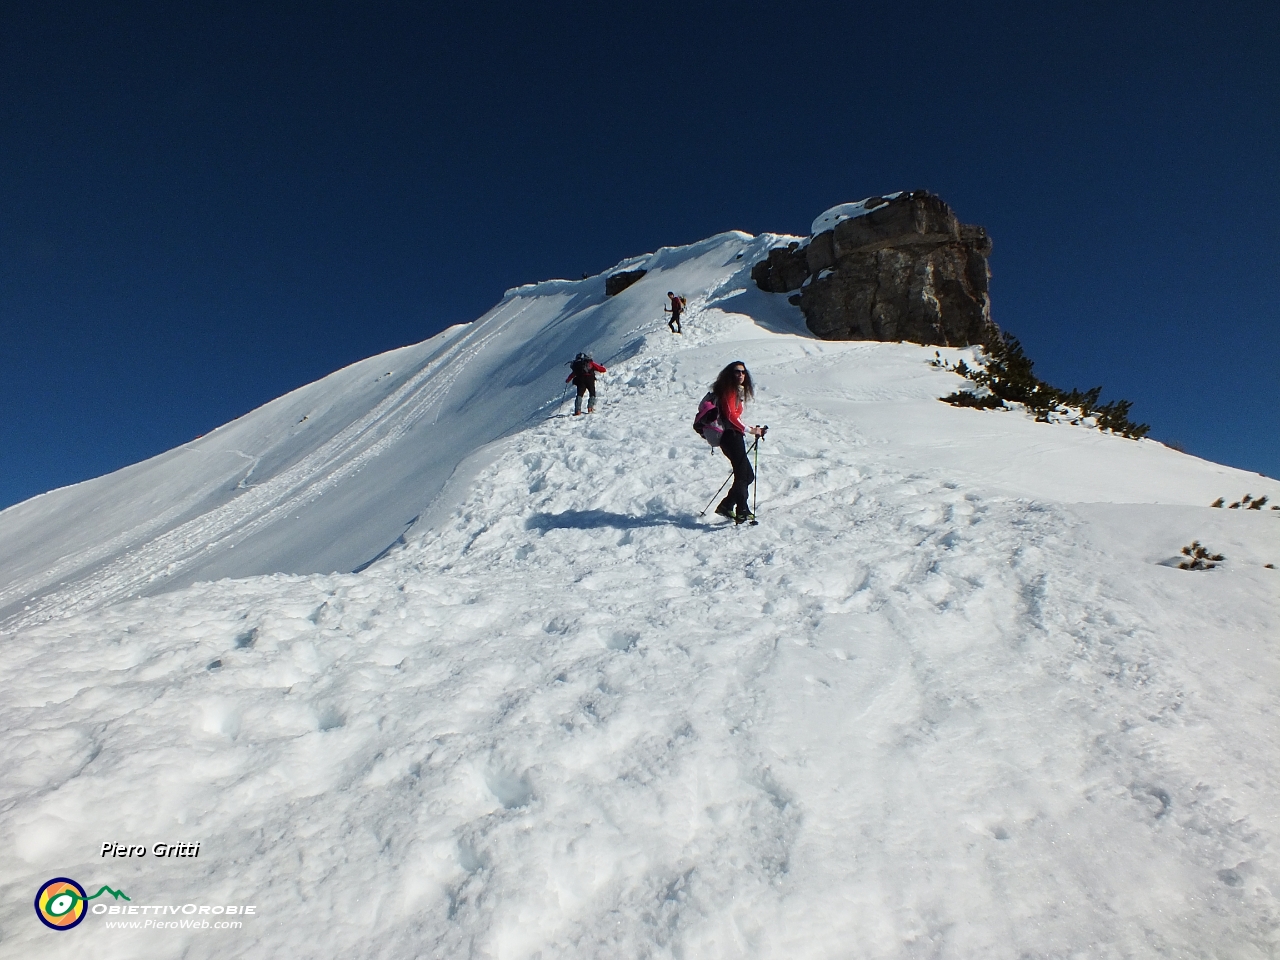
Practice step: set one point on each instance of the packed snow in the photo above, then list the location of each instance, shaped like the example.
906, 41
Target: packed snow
951, 698
828, 219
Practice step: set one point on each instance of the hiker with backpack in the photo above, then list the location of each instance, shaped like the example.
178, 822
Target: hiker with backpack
582, 372
733, 387
676, 308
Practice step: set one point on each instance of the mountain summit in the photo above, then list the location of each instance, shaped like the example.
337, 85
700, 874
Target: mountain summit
897, 267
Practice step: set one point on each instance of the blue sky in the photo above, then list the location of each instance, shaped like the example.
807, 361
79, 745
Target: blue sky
203, 206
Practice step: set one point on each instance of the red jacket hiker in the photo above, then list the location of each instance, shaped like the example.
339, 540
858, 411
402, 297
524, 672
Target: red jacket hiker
677, 306
583, 376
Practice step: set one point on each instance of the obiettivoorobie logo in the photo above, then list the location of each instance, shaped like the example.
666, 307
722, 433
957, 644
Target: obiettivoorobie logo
61, 902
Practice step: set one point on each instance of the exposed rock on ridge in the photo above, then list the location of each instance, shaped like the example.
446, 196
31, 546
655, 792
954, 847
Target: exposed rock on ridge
902, 268
615, 284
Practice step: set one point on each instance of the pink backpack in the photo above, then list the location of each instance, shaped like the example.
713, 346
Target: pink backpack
707, 423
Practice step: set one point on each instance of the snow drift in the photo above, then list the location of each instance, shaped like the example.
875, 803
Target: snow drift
952, 698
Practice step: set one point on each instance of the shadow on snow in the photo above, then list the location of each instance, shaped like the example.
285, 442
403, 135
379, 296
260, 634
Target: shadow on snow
596, 519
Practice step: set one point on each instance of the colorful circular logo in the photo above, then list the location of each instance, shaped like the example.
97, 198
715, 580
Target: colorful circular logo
60, 904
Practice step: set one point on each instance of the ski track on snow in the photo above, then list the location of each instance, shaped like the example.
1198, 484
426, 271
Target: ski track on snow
261, 504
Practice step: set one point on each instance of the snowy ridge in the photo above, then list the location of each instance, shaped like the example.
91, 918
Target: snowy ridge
330, 475
948, 699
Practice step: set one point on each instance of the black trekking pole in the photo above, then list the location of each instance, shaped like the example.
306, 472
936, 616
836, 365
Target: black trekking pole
563, 393
755, 494
716, 494
722, 486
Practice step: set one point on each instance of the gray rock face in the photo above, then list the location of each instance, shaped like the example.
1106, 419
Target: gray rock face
785, 269
905, 270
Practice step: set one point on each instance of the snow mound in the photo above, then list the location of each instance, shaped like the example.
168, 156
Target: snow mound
828, 219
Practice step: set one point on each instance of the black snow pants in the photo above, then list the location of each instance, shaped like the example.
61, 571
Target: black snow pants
734, 446
585, 386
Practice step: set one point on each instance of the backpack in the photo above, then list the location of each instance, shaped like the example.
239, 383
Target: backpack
580, 365
707, 423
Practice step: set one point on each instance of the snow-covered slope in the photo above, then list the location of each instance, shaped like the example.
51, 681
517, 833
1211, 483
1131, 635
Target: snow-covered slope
950, 698
326, 478
329, 476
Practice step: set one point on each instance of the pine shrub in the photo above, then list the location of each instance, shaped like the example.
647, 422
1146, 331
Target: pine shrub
1199, 558
1247, 502
1008, 375
963, 398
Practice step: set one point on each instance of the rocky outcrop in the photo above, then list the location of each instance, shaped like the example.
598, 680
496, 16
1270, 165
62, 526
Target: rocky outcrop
897, 268
617, 282
784, 270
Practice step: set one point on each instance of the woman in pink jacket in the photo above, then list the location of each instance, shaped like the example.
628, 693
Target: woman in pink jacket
732, 389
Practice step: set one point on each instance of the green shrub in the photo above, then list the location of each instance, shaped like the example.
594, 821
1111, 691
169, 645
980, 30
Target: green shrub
963, 398
1008, 375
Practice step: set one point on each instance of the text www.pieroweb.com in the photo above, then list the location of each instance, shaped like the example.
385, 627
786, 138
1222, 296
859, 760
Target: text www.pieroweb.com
173, 917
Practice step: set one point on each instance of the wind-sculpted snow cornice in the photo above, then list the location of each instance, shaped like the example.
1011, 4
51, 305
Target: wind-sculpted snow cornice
663, 257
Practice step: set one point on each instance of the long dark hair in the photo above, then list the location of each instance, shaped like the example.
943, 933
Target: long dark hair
728, 381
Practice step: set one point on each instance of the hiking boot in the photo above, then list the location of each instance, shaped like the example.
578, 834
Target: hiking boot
726, 510
744, 517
